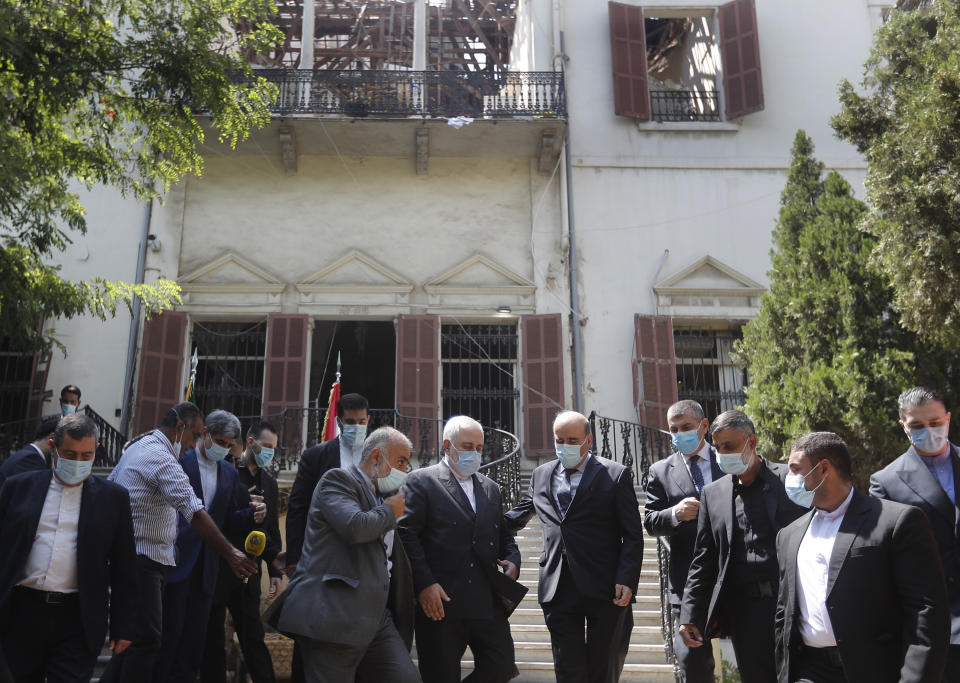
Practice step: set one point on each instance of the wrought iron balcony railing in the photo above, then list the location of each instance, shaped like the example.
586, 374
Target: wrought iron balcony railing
418, 93
684, 105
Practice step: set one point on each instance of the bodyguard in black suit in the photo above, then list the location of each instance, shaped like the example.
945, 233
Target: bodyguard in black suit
592, 551
862, 595
453, 536
68, 562
732, 583
927, 476
35, 455
673, 502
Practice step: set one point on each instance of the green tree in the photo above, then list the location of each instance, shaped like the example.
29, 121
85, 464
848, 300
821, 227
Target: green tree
907, 126
827, 350
107, 92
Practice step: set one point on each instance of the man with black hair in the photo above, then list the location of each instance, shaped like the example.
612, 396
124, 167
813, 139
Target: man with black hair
243, 599
69, 399
862, 595
927, 476
68, 563
159, 489
35, 455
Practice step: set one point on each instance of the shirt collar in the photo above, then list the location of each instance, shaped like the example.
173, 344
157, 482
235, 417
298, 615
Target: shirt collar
839, 512
460, 479
935, 460
38, 450
165, 441
579, 468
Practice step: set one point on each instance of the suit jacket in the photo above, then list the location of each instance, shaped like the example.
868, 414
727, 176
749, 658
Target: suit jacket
25, 460
401, 600
449, 544
908, 480
106, 559
601, 535
314, 463
230, 517
339, 592
669, 483
707, 578
886, 595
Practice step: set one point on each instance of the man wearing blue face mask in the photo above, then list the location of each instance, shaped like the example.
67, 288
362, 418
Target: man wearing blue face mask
69, 400
453, 536
732, 584
927, 476
189, 592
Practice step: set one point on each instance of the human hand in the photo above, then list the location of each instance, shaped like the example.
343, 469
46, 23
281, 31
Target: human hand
509, 568
290, 570
431, 600
687, 509
623, 595
118, 646
396, 503
691, 635
275, 583
259, 511
241, 565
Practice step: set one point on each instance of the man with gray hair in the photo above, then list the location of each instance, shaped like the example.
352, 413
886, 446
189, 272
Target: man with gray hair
190, 586
336, 604
732, 584
453, 535
927, 476
673, 501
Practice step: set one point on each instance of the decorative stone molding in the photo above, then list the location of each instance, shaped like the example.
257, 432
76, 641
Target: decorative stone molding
709, 288
230, 274
340, 277
479, 275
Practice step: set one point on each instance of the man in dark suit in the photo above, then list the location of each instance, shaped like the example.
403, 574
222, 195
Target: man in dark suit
453, 535
862, 595
927, 476
35, 455
673, 501
68, 562
592, 551
732, 583
190, 586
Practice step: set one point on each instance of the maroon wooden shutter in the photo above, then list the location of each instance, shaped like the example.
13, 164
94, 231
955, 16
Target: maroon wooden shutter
655, 369
286, 370
418, 368
740, 54
629, 50
543, 381
161, 368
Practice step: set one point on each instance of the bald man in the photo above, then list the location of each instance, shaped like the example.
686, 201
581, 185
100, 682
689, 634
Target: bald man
592, 550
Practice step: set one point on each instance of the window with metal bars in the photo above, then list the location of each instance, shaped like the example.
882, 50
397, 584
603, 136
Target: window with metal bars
479, 367
705, 371
230, 366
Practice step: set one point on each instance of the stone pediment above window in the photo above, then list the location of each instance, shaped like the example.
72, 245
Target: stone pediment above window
230, 274
355, 273
480, 275
708, 288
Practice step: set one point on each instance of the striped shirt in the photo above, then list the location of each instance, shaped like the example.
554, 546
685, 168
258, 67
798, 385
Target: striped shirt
159, 489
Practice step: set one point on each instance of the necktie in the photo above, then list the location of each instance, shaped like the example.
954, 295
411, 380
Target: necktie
564, 493
696, 473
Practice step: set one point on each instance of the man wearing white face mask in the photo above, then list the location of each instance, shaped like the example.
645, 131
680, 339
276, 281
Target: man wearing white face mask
68, 563
454, 538
928, 476
732, 584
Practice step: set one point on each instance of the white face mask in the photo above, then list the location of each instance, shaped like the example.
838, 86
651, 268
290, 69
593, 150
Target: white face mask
392, 482
72, 472
735, 463
569, 453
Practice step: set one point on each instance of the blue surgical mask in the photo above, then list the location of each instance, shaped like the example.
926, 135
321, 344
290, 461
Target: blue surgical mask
353, 435
72, 472
686, 442
929, 439
569, 454
795, 486
67, 409
734, 463
215, 451
264, 457
468, 462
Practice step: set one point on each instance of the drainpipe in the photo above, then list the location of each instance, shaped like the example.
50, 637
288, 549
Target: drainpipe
574, 272
135, 322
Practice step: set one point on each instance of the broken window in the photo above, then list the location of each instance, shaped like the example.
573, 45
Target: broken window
682, 64
230, 366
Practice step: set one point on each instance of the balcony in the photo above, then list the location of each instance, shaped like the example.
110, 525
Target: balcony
438, 94
684, 105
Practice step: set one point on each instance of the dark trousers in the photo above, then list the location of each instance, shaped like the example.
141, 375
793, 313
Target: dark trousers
817, 665
243, 601
385, 658
135, 664
44, 641
296, 665
598, 657
696, 663
186, 610
952, 672
750, 625
441, 644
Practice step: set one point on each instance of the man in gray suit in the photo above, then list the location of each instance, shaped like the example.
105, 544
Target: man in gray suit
336, 605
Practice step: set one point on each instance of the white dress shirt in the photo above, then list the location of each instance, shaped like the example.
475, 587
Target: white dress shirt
703, 464
575, 476
52, 562
349, 455
387, 537
465, 484
813, 569
208, 478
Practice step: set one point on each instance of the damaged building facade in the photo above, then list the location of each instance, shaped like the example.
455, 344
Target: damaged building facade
412, 209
